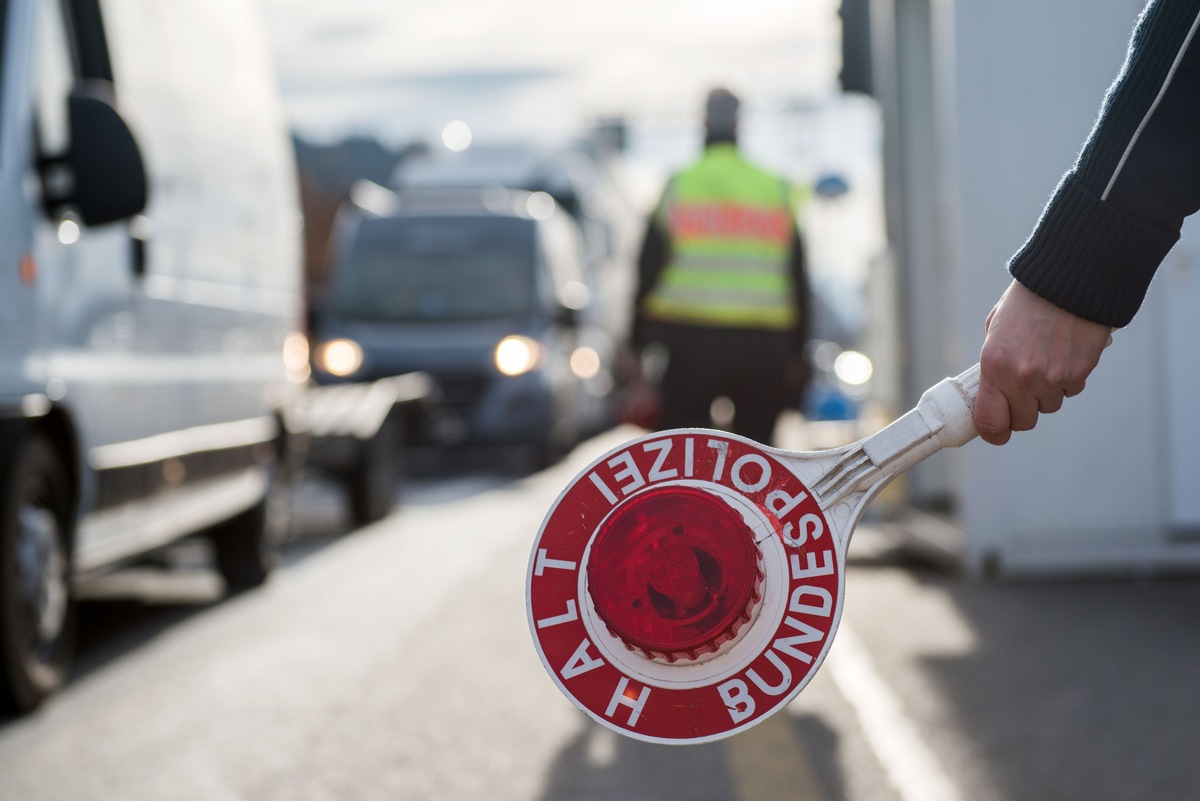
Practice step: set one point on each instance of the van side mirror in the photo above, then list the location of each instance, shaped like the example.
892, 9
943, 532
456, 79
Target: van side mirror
106, 176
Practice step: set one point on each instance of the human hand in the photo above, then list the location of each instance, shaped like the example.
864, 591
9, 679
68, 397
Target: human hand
1034, 355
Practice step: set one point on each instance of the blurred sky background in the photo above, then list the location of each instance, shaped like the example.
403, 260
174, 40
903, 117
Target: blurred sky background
401, 68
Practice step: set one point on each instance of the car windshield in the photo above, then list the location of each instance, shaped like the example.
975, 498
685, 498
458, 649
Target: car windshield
438, 269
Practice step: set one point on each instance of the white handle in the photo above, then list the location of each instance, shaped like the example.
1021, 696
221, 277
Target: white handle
942, 418
952, 401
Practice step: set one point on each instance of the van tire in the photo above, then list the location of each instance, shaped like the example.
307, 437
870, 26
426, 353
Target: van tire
246, 547
374, 480
37, 604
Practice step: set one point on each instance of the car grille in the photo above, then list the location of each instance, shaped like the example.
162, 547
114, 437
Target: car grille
461, 392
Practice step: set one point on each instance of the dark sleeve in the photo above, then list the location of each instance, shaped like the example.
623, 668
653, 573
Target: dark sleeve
802, 293
656, 251
1118, 212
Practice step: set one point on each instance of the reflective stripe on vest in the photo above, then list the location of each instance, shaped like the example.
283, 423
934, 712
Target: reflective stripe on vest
731, 226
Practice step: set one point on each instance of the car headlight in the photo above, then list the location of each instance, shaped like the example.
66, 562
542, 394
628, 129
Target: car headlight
296, 357
339, 357
516, 355
853, 368
585, 362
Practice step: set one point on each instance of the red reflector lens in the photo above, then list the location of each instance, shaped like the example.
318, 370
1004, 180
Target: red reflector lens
674, 572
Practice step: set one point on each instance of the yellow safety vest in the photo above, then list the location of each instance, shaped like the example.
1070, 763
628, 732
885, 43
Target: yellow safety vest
731, 226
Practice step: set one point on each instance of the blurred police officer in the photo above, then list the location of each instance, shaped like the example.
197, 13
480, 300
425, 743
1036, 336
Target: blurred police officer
722, 286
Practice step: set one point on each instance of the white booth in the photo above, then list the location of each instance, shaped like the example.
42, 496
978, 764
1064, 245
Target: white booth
985, 106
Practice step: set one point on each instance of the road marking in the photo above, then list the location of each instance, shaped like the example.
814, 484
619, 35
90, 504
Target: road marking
910, 764
770, 761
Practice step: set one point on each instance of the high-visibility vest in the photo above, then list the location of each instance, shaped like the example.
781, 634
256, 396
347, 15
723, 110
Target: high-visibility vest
731, 226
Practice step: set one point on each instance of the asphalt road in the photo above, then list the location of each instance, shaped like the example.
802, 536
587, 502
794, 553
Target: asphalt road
395, 662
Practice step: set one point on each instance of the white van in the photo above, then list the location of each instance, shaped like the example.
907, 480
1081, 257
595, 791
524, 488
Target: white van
149, 288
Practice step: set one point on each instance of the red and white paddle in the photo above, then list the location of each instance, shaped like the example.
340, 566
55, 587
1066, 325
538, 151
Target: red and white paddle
688, 584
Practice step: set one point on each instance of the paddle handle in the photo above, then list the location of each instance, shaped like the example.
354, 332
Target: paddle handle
942, 418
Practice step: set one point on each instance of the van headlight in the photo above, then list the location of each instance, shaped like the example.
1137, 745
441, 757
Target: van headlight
585, 362
517, 355
296, 357
339, 357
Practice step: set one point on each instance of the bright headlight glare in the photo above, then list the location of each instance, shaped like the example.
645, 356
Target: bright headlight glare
585, 362
340, 357
516, 355
295, 357
853, 368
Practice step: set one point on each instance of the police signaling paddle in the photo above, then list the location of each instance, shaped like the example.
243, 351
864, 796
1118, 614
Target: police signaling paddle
688, 584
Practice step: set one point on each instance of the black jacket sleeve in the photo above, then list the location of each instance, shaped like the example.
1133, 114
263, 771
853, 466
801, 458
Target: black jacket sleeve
653, 258
1118, 212
801, 294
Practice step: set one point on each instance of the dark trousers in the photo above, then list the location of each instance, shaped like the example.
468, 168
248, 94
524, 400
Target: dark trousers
748, 366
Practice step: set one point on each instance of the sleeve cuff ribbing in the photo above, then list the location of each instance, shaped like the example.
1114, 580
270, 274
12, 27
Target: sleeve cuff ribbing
1089, 258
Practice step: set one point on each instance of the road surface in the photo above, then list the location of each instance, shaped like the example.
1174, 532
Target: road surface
395, 662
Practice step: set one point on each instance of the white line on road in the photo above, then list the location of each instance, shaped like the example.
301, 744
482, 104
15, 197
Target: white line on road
909, 762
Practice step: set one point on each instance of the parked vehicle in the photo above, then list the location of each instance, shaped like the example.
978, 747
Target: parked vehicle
152, 366
482, 291
358, 434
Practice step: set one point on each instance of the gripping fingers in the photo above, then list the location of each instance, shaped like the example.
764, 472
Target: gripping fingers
991, 413
1050, 403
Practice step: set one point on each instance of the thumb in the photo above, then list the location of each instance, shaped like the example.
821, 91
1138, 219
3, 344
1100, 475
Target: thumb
991, 414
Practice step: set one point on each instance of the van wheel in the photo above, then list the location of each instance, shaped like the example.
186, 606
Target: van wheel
246, 547
243, 553
37, 621
373, 481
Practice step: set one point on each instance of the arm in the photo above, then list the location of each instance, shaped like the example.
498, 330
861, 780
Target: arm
801, 293
652, 259
1111, 222
798, 372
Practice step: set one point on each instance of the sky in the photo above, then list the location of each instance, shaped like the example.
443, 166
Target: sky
401, 69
